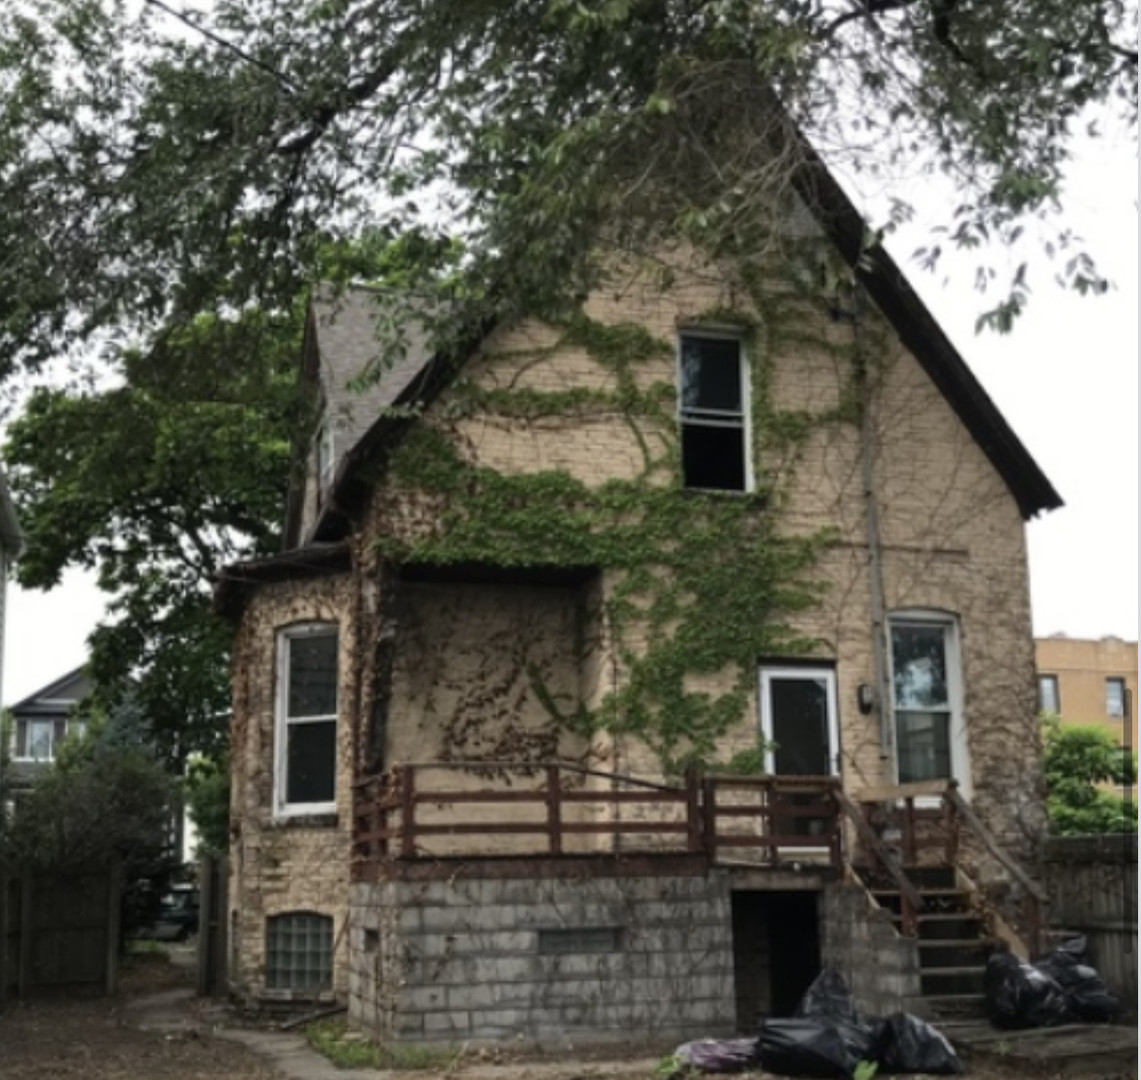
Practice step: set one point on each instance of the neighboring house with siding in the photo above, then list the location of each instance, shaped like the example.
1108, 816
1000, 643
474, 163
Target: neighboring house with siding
41, 722
696, 512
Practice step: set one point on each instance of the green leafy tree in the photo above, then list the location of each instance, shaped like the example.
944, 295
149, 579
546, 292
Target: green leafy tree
156, 484
207, 790
155, 165
106, 795
1078, 762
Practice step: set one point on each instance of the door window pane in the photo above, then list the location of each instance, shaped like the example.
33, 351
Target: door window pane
800, 726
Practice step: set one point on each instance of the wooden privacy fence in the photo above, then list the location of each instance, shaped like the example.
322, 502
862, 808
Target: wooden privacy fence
59, 932
505, 808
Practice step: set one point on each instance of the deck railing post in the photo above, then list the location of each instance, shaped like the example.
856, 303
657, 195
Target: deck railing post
910, 848
554, 812
709, 818
407, 811
951, 824
693, 809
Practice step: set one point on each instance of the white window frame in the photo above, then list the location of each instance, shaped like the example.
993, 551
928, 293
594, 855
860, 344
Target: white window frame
745, 375
957, 735
770, 672
282, 721
29, 723
1119, 682
1048, 678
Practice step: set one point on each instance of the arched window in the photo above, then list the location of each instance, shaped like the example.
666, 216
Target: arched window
299, 951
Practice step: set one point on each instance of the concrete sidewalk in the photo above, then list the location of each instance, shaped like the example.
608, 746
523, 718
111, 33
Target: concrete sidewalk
180, 1012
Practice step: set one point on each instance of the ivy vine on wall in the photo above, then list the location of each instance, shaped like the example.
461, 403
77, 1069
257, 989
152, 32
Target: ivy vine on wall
697, 584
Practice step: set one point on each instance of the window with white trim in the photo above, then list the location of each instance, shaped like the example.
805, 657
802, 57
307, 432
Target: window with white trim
929, 737
1115, 698
306, 736
713, 414
1049, 700
299, 951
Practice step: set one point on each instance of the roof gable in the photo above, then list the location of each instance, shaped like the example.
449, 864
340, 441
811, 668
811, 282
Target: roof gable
58, 697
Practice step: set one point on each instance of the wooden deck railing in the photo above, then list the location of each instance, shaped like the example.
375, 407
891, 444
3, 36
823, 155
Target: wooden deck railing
505, 808
931, 818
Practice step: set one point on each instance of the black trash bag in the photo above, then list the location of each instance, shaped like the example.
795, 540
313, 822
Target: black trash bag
1087, 996
719, 1055
805, 1046
907, 1044
1017, 995
828, 997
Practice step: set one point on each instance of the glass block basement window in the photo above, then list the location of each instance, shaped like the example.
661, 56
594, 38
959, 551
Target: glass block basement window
299, 952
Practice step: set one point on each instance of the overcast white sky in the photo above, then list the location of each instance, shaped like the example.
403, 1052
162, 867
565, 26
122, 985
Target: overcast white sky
1066, 379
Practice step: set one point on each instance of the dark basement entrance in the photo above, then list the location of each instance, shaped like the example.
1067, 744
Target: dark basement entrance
776, 952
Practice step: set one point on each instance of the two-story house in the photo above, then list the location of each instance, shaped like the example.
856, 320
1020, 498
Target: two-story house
737, 520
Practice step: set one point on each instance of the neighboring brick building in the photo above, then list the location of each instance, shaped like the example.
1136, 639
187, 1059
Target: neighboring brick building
1089, 681
550, 551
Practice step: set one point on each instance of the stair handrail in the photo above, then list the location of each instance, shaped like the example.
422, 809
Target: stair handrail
910, 902
1037, 896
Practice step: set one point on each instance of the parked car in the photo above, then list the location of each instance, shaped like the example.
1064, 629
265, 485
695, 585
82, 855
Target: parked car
177, 916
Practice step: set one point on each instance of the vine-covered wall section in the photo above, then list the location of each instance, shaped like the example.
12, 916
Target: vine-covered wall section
558, 447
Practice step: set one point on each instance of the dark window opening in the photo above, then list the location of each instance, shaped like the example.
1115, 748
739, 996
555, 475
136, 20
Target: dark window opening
310, 774
712, 414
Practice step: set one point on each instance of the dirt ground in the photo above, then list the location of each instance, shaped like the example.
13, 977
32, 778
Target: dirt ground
95, 1039
76, 1039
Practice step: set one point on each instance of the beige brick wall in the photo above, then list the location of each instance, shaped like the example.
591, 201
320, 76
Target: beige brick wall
952, 541
286, 865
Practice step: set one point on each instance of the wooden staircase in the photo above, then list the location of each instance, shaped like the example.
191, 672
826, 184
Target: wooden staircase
908, 859
951, 938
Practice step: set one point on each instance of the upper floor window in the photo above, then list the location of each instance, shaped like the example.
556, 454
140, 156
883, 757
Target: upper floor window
925, 673
1049, 701
713, 413
306, 735
1115, 698
39, 739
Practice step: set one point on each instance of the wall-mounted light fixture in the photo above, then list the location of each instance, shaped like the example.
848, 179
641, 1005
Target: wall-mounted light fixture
865, 697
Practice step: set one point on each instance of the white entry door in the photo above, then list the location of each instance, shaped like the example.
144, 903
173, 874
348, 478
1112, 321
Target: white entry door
798, 720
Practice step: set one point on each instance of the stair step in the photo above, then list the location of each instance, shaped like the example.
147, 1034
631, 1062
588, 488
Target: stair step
948, 1006
946, 926
938, 955
947, 901
941, 981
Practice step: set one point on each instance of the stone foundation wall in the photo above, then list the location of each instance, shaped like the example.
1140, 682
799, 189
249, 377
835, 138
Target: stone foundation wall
880, 967
548, 960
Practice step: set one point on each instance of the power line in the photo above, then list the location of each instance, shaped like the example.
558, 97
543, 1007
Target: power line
286, 82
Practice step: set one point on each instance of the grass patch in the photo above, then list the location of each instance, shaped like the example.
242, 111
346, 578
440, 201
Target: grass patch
349, 1050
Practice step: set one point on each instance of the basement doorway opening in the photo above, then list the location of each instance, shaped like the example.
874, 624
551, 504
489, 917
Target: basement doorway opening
776, 952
